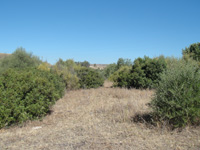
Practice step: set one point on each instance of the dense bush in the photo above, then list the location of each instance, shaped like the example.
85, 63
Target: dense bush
177, 97
20, 59
44, 66
89, 78
27, 94
193, 51
144, 73
67, 70
122, 77
76, 75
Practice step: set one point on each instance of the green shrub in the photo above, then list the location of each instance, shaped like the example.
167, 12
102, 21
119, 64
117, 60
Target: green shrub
193, 51
89, 78
123, 62
83, 64
145, 72
122, 77
20, 59
109, 70
177, 97
27, 94
67, 70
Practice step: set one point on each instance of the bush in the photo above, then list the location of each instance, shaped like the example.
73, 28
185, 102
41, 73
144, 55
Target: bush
83, 64
67, 70
44, 66
109, 70
89, 78
27, 94
121, 78
177, 97
123, 62
20, 59
193, 51
146, 71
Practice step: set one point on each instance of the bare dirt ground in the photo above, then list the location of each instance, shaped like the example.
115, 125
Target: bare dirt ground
98, 119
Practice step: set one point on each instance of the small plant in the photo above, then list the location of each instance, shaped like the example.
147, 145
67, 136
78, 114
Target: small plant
177, 97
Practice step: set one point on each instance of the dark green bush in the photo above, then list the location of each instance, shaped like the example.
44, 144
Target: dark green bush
89, 78
144, 73
193, 51
27, 94
177, 97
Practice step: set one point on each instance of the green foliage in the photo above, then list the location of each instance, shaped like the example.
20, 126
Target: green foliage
193, 51
44, 66
67, 70
89, 78
146, 71
123, 62
84, 64
122, 77
177, 97
109, 70
20, 59
170, 61
76, 76
27, 94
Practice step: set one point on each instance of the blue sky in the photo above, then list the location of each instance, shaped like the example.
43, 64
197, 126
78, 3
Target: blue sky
99, 31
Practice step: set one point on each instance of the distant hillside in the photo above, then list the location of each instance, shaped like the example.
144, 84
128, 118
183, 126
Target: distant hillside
98, 66
3, 55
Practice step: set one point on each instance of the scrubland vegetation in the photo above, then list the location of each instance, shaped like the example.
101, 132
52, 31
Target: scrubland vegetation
29, 87
150, 97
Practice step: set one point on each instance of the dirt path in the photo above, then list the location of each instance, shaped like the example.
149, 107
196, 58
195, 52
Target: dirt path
98, 119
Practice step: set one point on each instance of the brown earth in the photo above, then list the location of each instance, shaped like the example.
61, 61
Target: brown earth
98, 119
98, 66
2, 55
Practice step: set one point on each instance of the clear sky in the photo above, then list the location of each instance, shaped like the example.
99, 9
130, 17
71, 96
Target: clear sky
99, 31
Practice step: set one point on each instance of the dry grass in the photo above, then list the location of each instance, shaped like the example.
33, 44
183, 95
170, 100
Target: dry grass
98, 66
2, 55
98, 119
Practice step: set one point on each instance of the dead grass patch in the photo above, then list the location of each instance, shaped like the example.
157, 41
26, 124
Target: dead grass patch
98, 119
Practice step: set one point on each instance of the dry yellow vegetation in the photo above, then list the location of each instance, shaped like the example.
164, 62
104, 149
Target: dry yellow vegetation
2, 55
98, 119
